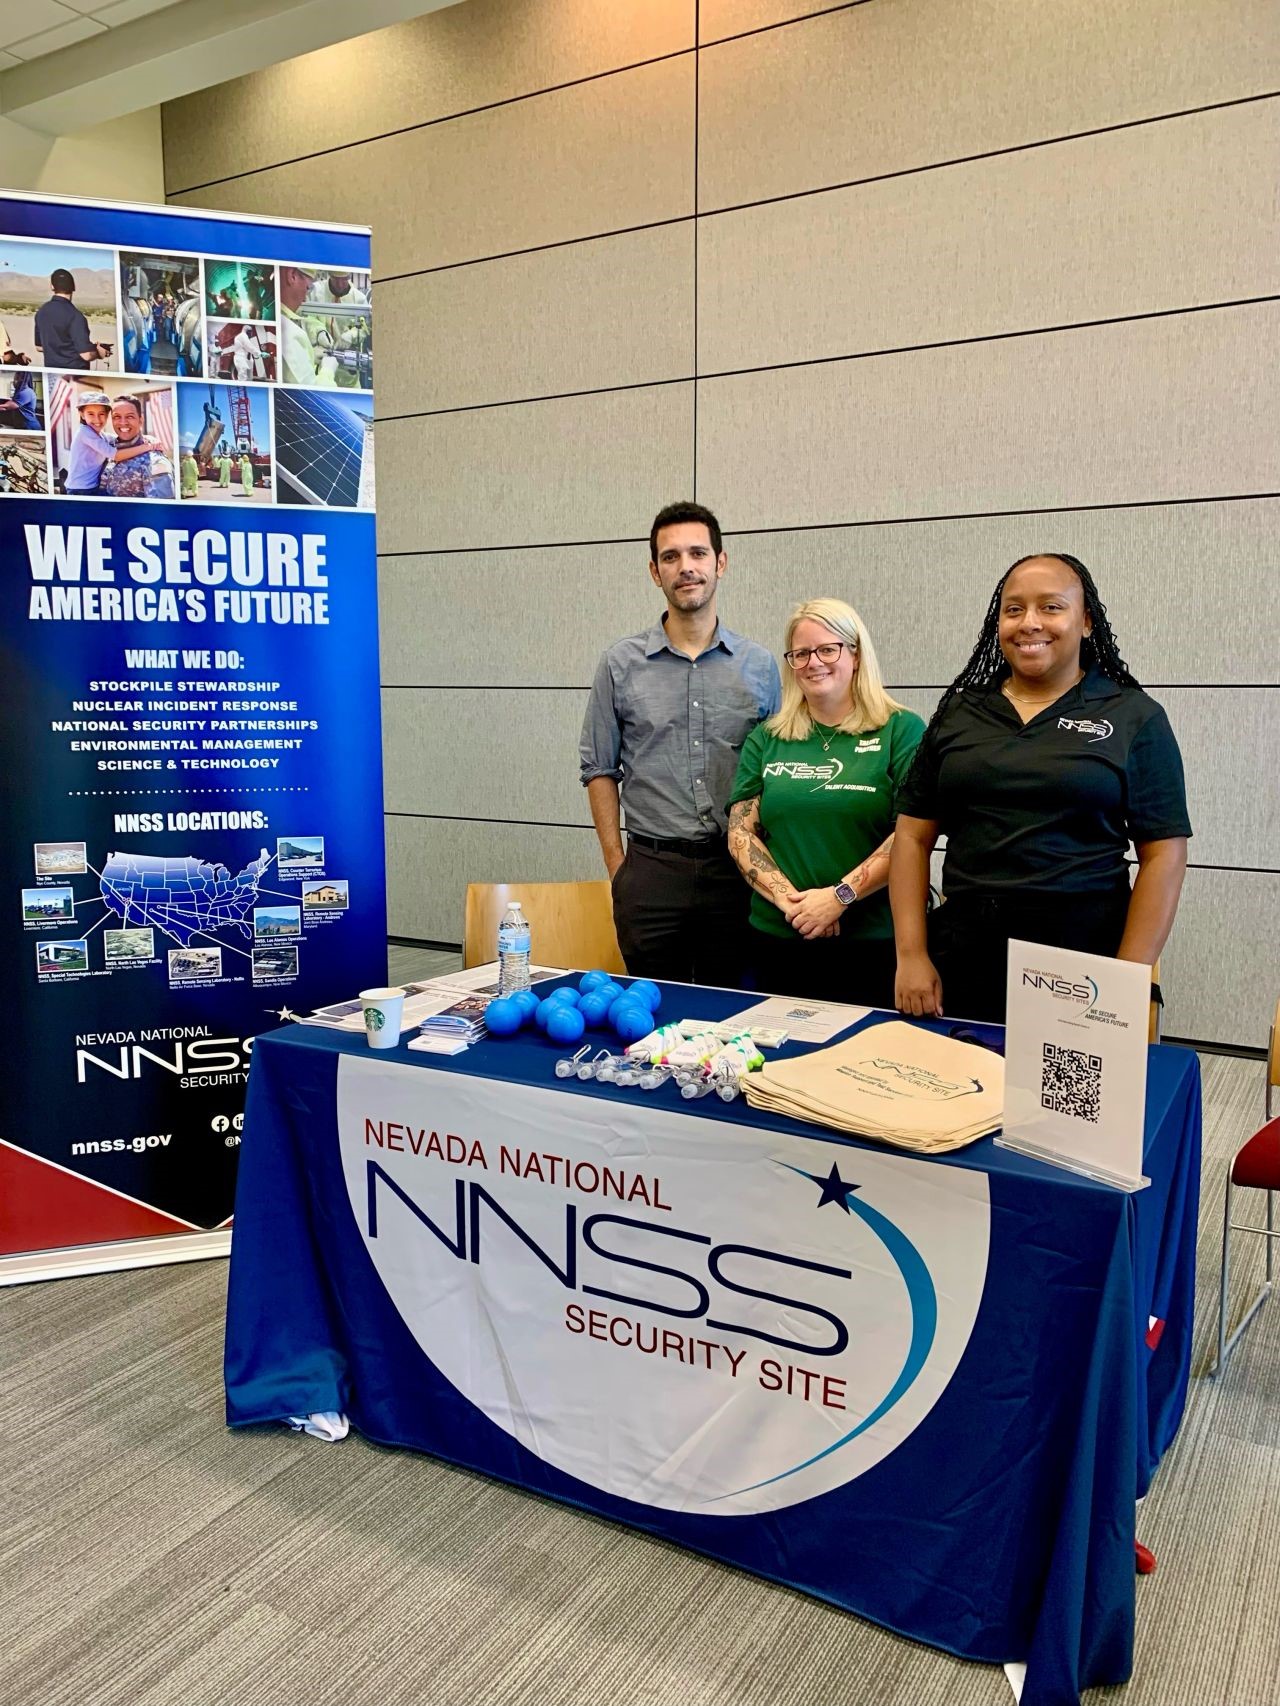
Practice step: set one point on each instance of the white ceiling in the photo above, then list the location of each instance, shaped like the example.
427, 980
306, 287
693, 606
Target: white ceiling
65, 64
30, 28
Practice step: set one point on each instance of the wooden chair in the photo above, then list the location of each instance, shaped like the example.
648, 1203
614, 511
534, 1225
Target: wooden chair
1256, 1167
1155, 1023
571, 923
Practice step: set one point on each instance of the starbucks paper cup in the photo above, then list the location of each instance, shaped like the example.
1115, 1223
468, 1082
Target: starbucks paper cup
383, 1013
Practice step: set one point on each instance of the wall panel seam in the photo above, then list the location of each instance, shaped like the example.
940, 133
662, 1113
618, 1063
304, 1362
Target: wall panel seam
534, 249
429, 123
544, 397
503, 822
830, 360
552, 823
829, 526
996, 337
782, 24
697, 115
994, 153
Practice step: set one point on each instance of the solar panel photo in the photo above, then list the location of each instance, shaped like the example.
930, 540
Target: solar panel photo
320, 445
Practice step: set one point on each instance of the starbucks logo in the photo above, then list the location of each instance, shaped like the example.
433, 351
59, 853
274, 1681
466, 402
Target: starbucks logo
374, 1018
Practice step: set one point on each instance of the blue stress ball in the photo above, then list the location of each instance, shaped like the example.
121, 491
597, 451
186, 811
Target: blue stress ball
624, 999
504, 1016
565, 1023
647, 992
594, 1007
543, 1012
568, 997
528, 1003
632, 1021
610, 988
591, 980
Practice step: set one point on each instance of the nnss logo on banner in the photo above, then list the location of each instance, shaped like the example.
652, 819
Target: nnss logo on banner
689, 1314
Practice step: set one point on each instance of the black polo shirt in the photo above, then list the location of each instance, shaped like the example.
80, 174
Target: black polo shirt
1048, 806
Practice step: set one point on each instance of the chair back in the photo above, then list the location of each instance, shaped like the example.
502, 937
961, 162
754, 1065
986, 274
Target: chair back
1273, 1063
571, 924
1155, 1020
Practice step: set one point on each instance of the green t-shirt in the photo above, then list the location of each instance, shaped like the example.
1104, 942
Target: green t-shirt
824, 811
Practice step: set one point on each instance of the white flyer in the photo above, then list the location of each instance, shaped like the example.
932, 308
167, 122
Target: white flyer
483, 980
803, 1021
1076, 1061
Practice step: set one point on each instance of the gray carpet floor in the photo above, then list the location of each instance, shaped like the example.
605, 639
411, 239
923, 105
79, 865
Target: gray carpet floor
148, 1557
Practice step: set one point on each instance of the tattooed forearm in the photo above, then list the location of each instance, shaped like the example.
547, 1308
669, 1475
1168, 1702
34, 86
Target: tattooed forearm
873, 873
761, 871
750, 854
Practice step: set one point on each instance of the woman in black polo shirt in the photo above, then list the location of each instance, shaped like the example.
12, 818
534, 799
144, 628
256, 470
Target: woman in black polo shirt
1043, 762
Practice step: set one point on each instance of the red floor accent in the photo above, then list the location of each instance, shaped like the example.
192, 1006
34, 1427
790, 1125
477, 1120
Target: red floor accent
1144, 1558
43, 1208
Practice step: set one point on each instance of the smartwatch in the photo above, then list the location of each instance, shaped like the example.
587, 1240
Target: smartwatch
846, 894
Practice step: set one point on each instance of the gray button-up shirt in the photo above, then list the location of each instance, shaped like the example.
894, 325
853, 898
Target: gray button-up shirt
668, 728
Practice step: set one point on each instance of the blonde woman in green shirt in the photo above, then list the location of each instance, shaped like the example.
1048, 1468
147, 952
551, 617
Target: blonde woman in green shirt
812, 812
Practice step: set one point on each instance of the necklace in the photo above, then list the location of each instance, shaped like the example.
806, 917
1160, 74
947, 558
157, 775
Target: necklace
825, 736
1038, 698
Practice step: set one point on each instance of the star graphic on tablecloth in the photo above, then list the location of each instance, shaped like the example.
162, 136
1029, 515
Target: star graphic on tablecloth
834, 1188
284, 1014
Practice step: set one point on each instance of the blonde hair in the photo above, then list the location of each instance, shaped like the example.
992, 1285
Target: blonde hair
872, 706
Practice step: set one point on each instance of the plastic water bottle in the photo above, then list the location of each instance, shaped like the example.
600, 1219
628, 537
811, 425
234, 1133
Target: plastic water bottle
513, 951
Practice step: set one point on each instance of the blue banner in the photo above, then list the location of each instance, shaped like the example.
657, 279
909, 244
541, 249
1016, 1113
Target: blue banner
189, 700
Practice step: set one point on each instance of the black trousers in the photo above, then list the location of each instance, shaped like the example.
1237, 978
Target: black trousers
969, 939
682, 916
834, 968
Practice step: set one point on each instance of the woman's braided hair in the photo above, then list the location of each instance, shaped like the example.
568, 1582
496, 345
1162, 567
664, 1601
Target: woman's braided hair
987, 665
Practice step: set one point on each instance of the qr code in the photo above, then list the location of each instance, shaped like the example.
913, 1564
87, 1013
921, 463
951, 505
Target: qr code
1070, 1082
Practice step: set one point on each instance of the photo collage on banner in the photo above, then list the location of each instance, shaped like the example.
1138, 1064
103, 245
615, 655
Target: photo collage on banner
190, 701
252, 375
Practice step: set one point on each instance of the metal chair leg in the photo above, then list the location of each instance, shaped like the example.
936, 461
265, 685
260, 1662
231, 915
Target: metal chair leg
1227, 1343
1222, 1286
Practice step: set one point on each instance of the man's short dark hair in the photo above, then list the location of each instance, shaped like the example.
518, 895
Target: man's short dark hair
61, 282
673, 515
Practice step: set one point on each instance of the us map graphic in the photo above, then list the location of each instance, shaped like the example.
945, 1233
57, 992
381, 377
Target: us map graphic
197, 909
182, 897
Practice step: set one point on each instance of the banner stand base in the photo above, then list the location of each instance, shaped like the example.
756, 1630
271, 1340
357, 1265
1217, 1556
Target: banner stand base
1055, 1158
34, 1265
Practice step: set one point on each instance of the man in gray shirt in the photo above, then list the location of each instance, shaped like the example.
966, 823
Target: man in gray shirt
668, 713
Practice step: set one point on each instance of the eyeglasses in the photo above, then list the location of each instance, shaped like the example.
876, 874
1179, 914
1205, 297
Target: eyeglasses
828, 652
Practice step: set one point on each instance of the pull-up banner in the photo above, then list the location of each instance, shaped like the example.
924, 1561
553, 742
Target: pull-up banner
191, 838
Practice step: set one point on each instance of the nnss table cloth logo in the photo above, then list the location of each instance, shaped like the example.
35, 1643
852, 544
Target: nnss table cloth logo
689, 1313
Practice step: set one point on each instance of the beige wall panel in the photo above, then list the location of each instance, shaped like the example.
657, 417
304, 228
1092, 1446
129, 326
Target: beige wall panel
448, 62
576, 468
326, 188
1158, 409
1142, 558
468, 752
536, 618
887, 87
616, 311
598, 157
1219, 970
1092, 229
1229, 743
430, 863
923, 589
720, 18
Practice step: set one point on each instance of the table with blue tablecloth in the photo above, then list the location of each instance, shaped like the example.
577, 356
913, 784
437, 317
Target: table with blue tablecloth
927, 1390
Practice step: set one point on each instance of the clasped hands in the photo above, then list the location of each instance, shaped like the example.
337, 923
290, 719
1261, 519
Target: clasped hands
812, 913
